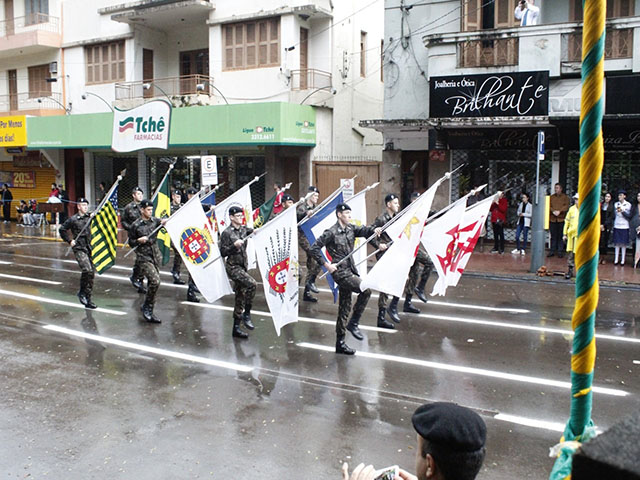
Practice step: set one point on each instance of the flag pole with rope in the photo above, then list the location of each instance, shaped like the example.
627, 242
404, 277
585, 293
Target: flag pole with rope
580, 428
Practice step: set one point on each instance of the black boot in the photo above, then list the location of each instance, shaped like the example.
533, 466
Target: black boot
137, 283
392, 310
569, 273
89, 303
82, 297
311, 285
191, 294
176, 278
382, 322
246, 318
353, 327
419, 290
237, 332
408, 307
147, 313
343, 348
307, 297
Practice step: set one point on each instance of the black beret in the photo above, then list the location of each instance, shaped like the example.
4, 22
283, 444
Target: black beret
136, 189
314, 189
146, 203
191, 191
82, 200
234, 210
415, 195
456, 428
286, 198
341, 207
389, 198
176, 192
624, 192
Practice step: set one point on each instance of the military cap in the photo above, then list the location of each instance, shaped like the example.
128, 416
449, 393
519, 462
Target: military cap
176, 192
341, 207
314, 189
623, 191
456, 428
136, 189
146, 203
234, 210
82, 200
390, 198
415, 195
191, 191
286, 198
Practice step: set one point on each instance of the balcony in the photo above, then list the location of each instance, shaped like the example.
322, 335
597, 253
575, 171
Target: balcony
27, 104
488, 53
182, 91
34, 33
618, 44
309, 79
161, 14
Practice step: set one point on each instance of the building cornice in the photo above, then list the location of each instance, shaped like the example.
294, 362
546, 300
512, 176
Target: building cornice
305, 10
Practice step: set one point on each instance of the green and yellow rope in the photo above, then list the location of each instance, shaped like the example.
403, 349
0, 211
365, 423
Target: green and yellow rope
579, 426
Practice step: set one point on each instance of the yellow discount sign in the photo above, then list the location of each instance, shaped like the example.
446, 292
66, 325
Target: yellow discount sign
13, 131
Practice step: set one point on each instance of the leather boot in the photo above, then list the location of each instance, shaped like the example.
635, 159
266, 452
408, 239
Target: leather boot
419, 290
147, 313
307, 297
246, 318
392, 310
137, 283
82, 297
408, 307
191, 294
569, 273
237, 332
343, 348
311, 285
89, 303
176, 278
382, 322
353, 327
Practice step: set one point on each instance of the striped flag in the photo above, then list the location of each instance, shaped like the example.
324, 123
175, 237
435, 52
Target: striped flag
162, 208
104, 232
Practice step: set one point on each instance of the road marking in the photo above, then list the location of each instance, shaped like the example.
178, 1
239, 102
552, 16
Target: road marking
477, 307
470, 370
156, 351
301, 319
58, 302
2, 262
29, 279
637, 362
126, 279
531, 422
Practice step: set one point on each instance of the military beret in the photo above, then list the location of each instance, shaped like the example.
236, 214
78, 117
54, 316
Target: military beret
191, 191
415, 195
341, 207
456, 428
389, 198
176, 192
136, 189
235, 210
623, 192
146, 203
82, 200
287, 198
314, 189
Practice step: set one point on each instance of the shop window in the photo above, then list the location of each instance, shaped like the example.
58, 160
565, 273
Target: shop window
105, 63
251, 44
36, 11
38, 85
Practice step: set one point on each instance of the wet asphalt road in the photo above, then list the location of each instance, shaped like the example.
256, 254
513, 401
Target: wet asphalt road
86, 408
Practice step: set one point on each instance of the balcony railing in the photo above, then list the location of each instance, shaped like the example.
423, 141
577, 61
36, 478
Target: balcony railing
172, 86
618, 44
33, 21
29, 101
309, 78
488, 53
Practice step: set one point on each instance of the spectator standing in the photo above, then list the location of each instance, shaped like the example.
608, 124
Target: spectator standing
607, 217
498, 219
621, 228
7, 198
523, 213
570, 235
634, 228
527, 13
55, 192
101, 192
558, 205
277, 203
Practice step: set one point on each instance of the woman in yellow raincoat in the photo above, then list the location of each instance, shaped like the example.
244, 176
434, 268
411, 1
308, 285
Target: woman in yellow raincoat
570, 236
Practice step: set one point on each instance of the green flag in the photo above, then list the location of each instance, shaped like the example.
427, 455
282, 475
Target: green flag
261, 214
162, 208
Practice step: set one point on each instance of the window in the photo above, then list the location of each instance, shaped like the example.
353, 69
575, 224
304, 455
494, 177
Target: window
36, 11
382, 60
251, 44
38, 85
105, 62
615, 9
483, 15
363, 54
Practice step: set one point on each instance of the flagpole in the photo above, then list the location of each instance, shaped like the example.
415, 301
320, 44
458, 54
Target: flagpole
214, 190
155, 194
93, 214
326, 201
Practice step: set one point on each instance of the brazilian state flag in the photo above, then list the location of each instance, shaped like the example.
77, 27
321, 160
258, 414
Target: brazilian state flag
162, 208
263, 212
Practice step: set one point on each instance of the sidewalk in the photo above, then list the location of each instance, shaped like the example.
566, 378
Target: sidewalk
482, 263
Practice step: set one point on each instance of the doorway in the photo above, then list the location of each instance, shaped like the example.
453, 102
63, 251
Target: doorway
147, 71
192, 63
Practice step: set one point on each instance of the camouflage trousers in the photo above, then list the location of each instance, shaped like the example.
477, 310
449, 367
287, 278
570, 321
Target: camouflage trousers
422, 258
244, 286
313, 267
152, 274
177, 260
88, 271
346, 285
571, 259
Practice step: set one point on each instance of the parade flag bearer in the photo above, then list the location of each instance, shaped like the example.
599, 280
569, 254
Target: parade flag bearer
129, 216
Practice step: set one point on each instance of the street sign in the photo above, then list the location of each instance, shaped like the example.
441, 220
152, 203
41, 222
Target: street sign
209, 169
349, 186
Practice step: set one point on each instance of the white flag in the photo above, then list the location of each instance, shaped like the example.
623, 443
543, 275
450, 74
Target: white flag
191, 233
389, 274
439, 239
277, 247
242, 199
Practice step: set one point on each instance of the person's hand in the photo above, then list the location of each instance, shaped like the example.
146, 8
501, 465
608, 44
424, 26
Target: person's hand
359, 473
378, 231
404, 475
238, 243
309, 213
382, 247
556, 212
143, 239
602, 228
73, 243
163, 221
564, 237
330, 267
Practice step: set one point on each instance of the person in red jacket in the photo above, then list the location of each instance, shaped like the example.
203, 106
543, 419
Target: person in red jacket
498, 218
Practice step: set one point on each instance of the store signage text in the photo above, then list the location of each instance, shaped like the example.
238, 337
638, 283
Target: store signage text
19, 179
261, 133
146, 126
13, 131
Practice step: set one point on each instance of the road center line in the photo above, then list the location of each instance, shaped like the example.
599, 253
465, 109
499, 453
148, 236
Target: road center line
29, 279
144, 348
469, 370
58, 302
531, 422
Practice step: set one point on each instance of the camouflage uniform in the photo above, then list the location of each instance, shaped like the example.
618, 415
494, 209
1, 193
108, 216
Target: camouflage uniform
129, 216
148, 257
82, 249
339, 243
422, 258
237, 265
380, 221
313, 267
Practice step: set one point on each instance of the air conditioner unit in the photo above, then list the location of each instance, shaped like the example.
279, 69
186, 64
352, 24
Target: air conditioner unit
53, 68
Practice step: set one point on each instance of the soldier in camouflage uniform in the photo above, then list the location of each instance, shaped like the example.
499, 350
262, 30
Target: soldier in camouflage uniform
233, 246
392, 206
176, 203
410, 288
339, 241
305, 210
81, 249
129, 216
144, 236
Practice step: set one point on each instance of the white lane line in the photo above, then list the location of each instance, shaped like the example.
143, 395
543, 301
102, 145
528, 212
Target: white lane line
2, 262
637, 362
58, 302
515, 326
156, 351
29, 279
301, 319
477, 307
470, 370
531, 422
126, 279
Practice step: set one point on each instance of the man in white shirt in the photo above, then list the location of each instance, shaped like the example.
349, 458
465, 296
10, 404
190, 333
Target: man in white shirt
527, 13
